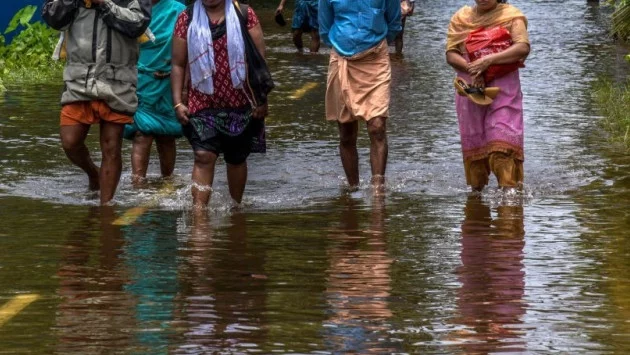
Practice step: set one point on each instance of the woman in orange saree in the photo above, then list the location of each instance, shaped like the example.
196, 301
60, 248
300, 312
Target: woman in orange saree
486, 45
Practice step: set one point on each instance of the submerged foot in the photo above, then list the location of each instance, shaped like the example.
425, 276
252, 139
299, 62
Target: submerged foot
378, 185
138, 181
94, 184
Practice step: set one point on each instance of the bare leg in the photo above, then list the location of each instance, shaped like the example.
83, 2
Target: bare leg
297, 40
377, 130
167, 151
237, 179
73, 143
398, 41
203, 176
140, 153
348, 150
111, 164
315, 42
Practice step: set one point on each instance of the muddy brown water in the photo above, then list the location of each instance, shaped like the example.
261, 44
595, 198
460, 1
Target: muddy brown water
304, 267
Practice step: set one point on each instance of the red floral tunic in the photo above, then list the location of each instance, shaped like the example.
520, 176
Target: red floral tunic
225, 95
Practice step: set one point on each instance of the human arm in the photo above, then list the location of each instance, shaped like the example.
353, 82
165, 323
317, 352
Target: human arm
325, 17
179, 58
257, 36
59, 13
457, 61
281, 6
393, 17
517, 52
131, 19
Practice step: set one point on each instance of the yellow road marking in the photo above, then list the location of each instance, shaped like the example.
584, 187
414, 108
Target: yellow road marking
132, 214
14, 306
297, 94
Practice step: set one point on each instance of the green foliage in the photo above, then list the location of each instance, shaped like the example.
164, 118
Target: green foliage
28, 57
22, 17
620, 18
614, 104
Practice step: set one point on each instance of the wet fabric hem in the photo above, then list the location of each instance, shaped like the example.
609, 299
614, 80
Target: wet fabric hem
496, 146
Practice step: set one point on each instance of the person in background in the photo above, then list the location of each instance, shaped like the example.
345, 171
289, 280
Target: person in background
100, 79
406, 10
486, 45
304, 19
359, 77
218, 117
155, 118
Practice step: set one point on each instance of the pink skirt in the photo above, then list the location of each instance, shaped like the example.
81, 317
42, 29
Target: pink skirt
497, 127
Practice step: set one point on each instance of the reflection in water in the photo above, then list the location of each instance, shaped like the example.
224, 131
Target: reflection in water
223, 294
359, 283
491, 296
150, 252
95, 313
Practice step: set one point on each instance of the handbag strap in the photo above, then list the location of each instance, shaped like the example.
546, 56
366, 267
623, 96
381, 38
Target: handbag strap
243, 9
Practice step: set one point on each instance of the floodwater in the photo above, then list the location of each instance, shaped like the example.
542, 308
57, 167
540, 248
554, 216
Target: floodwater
304, 267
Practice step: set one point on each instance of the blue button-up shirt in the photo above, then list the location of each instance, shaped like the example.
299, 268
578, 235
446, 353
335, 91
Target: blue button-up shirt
353, 26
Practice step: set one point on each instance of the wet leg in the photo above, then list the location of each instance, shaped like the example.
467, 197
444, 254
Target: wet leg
111, 164
315, 41
377, 130
167, 151
348, 150
297, 40
140, 153
398, 41
237, 179
73, 143
202, 177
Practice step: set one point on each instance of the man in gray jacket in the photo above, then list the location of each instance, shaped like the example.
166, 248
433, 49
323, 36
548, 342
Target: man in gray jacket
100, 79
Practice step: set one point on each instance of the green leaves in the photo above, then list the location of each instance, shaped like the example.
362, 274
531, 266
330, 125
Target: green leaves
22, 17
620, 18
28, 57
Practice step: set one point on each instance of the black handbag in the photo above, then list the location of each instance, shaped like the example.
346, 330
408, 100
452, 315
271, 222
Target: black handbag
259, 82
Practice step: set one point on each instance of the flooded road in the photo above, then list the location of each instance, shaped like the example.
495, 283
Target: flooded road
307, 268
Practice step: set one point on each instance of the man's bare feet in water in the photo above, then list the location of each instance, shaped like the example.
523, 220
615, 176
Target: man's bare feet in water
378, 185
138, 181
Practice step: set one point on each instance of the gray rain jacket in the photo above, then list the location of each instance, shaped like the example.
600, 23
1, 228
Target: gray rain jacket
102, 49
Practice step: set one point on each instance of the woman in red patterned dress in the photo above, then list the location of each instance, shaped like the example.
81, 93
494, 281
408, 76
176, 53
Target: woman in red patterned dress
218, 116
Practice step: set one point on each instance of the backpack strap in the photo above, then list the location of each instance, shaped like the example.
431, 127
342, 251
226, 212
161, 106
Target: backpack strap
244, 11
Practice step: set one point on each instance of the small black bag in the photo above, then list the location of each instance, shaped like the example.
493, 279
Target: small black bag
259, 82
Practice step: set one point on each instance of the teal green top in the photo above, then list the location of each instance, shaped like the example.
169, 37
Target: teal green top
155, 115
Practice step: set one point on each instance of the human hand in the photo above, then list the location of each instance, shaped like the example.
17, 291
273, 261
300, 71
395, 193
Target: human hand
261, 112
479, 66
279, 9
478, 82
406, 8
181, 112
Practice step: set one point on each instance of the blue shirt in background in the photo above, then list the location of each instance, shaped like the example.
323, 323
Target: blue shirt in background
353, 26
